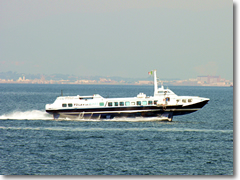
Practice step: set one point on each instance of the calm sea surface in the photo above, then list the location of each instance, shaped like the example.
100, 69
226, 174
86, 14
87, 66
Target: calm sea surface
32, 143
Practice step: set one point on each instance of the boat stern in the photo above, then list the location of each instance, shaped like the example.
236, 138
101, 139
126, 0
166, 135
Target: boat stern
48, 107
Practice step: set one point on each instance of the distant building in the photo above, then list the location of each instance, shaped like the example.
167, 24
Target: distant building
144, 82
209, 79
19, 79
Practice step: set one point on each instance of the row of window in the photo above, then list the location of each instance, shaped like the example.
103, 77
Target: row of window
128, 103
185, 100
71, 105
65, 105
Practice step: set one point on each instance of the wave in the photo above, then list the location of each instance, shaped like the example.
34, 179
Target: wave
27, 115
118, 129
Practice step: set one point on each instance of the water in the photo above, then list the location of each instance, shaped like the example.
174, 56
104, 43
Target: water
32, 143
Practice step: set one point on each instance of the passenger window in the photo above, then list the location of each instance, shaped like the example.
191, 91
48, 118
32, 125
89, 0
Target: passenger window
121, 103
155, 102
189, 100
149, 102
127, 103
101, 104
144, 103
139, 103
64, 105
184, 100
109, 103
115, 103
70, 105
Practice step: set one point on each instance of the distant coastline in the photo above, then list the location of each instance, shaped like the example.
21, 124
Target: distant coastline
14, 78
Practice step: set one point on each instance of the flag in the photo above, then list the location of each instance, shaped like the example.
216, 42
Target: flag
150, 73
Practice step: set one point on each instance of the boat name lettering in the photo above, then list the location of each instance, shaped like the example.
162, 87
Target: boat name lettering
90, 104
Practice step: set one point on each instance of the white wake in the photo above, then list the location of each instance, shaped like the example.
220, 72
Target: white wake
27, 115
42, 115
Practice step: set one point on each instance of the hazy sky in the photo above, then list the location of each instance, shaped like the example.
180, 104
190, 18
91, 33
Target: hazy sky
127, 38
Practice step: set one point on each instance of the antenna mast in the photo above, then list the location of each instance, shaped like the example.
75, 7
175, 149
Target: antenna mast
155, 81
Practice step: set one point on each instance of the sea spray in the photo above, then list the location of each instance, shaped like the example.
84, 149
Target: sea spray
29, 115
